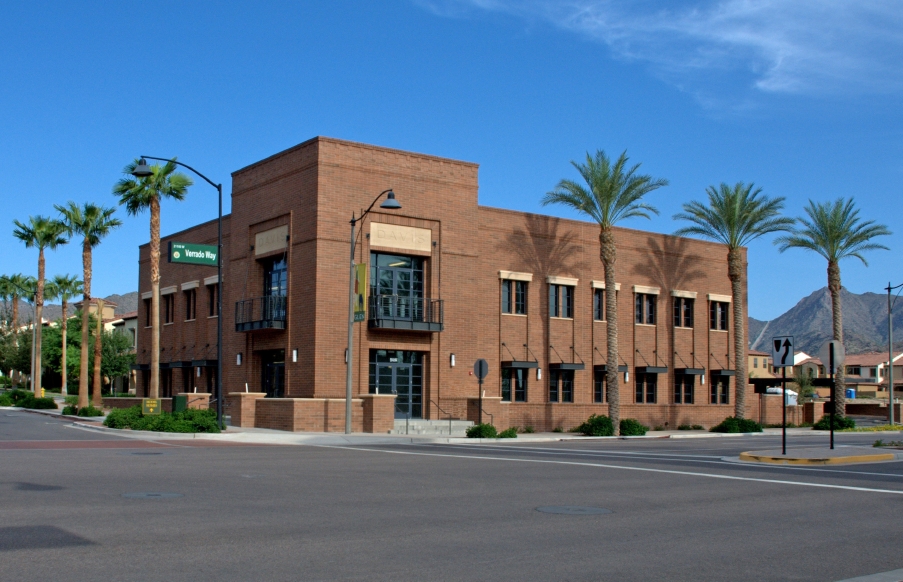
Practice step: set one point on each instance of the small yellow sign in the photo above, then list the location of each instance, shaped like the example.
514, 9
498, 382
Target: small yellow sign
150, 406
360, 292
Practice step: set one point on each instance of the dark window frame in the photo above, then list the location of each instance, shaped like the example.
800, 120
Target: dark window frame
719, 390
212, 291
645, 307
718, 318
600, 387
191, 304
646, 391
561, 301
169, 308
684, 388
514, 297
684, 312
599, 304
519, 391
147, 312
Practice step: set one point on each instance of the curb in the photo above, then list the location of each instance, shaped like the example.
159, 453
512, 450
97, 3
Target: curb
817, 461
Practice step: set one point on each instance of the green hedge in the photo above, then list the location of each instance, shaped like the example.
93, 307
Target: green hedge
5, 400
632, 427
840, 423
482, 431
597, 425
737, 425
190, 420
26, 399
508, 433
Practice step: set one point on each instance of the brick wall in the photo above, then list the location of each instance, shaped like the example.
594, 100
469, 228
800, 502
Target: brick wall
242, 407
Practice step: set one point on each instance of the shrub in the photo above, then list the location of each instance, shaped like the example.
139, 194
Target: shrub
840, 423
509, 433
5, 381
697, 427
659, 427
482, 431
597, 425
90, 411
18, 395
529, 429
38, 403
190, 420
632, 427
71, 400
557, 429
69, 410
737, 425
684, 427
5, 400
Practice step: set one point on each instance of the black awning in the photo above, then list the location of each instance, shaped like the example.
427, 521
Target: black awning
564, 366
652, 369
204, 363
519, 364
724, 372
140, 366
604, 368
761, 384
690, 371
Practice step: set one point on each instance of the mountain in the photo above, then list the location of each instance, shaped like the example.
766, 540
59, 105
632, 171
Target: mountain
53, 311
810, 323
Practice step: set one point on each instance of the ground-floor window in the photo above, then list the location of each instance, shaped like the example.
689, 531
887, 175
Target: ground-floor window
600, 387
683, 388
514, 383
166, 383
646, 385
719, 386
561, 385
210, 373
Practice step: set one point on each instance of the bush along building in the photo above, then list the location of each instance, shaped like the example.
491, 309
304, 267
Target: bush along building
447, 282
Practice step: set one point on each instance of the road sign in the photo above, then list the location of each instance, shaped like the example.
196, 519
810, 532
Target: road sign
824, 355
782, 351
481, 369
150, 406
192, 254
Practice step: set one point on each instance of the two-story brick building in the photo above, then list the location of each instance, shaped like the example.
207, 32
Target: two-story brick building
450, 281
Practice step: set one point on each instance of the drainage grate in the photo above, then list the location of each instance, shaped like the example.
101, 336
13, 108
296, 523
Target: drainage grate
146, 495
573, 510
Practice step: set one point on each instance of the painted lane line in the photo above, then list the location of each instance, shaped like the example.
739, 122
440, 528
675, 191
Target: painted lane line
622, 467
588, 452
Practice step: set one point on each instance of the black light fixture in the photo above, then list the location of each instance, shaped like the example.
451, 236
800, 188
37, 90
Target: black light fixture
391, 203
142, 170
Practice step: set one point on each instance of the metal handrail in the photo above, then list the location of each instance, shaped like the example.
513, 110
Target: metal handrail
422, 309
444, 412
407, 418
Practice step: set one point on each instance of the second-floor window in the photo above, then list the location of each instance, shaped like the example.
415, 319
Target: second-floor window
561, 301
599, 304
147, 313
514, 297
683, 312
191, 304
169, 308
645, 308
211, 299
275, 278
718, 315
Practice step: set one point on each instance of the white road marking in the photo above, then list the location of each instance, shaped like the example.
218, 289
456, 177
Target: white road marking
625, 468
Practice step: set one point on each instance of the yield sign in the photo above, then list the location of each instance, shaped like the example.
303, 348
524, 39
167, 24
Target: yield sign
782, 351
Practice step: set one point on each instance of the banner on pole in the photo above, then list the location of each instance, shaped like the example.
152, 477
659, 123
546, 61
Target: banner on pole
360, 292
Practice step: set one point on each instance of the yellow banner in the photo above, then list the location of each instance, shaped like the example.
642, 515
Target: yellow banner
360, 292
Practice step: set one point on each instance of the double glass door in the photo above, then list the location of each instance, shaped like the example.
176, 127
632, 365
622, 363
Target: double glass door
400, 373
273, 381
397, 286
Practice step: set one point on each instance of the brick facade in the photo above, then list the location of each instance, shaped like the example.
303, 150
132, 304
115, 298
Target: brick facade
308, 194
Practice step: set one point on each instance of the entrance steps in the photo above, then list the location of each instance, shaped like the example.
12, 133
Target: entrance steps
421, 426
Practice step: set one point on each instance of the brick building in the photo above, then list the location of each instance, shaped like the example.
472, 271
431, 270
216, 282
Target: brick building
450, 281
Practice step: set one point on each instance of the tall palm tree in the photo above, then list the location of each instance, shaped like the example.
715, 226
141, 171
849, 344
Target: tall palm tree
67, 287
43, 233
614, 193
735, 216
92, 223
18, 285
834, 230
137, 195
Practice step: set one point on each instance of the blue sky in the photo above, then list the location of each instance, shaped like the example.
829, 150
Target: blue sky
802, 98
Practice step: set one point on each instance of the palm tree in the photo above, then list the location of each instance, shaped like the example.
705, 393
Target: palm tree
735, 216
615, 193
67, 287
835, 231
93, 223
138, 194
44, 233
17, 286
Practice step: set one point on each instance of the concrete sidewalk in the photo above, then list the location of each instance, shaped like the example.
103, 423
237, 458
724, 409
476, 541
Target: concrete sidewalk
839, 455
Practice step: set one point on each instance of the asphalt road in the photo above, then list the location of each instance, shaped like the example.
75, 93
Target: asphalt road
74, 509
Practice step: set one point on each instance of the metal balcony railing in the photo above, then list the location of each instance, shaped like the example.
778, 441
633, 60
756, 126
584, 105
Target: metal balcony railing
260, 313
399, 312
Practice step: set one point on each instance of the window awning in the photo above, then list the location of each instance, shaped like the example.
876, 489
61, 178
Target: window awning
566, 366
604, 368
724, 372
652, 369
690, 371
203, 363
140, 366
519, 364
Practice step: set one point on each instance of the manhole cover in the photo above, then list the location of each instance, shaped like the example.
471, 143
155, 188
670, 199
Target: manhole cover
151, 495
573, 510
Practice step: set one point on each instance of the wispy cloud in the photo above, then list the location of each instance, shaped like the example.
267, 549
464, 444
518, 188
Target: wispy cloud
772, 46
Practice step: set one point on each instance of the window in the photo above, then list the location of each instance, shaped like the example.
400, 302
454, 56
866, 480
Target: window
854, 370
147, 313
600, 387
683, 312
561, 383
133, 335
275, 278
561, 301
166, 381
719, 386
683, 388
645, 308
755, 362
514, 380
599, 304
169, 308
514, 297
718, 315
191, 304
645, 388
212, 291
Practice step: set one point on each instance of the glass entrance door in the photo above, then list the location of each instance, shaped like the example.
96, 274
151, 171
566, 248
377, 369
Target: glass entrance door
273, 381
400, 373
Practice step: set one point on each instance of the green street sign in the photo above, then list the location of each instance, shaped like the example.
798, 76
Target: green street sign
150, 406
192, 254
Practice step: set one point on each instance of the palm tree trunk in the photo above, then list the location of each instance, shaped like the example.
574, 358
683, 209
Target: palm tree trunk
83, 355
97, 401
64, 390
16, 374
39, 312
609, 255
155, 297
840, 395
735, 273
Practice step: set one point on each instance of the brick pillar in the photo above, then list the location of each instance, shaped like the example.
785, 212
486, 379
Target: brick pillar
379, 412
242, 407
813, 411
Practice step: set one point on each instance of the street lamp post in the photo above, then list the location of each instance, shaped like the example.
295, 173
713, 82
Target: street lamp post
389, 204
142, 171
890, 351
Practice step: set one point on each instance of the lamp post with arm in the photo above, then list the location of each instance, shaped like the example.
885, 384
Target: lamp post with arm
890, 351
142, 171
389, 204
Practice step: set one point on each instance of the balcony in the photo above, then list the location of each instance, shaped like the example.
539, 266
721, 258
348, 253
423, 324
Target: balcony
405, 313
260, 313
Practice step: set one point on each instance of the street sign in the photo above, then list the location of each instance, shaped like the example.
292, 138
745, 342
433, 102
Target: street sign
782, 351
150, 406
192, 254
824, 355
481, 369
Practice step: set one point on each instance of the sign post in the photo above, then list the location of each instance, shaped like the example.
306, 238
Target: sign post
480, 370
782, 357
834, 354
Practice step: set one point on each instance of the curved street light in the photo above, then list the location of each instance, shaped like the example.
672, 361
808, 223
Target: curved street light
890, 350
390, 204
142, 170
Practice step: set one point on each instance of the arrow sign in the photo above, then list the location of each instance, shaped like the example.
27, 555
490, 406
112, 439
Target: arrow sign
782, 351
